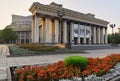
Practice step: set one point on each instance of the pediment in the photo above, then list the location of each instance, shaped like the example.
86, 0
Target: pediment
56, 5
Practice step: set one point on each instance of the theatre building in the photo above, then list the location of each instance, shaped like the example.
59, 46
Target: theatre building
54, 24
22, 26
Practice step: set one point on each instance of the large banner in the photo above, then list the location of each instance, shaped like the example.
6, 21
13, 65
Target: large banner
84, 31
75, 28
87, 31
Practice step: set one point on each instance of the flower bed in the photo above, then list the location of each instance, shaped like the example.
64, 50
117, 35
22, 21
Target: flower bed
33, 49
38, 47
59, 71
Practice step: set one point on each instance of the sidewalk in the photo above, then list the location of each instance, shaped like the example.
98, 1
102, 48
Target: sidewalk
31, 60
3, 63
6, 62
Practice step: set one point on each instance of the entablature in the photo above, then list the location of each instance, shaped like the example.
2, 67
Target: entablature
55, 9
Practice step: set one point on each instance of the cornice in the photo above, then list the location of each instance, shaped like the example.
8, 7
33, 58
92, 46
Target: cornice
53, 11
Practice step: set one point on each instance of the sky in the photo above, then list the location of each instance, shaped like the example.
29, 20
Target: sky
108, 10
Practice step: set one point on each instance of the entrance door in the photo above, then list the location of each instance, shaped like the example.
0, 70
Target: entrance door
75, 40
82, 40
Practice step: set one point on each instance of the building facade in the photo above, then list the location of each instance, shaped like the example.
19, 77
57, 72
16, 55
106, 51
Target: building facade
22, 26
54, 24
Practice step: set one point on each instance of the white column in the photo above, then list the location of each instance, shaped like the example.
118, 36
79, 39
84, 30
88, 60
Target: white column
20, 37
56, 30
16, 41
71, 33
51, 30
44, 32
90, 35
60, 31
29, 34
25, 36
84, 34
102, 36
36, 29
79, 34
106, 40
64, 31
41, 30
47, 30
94, 35
32, 30
98, 35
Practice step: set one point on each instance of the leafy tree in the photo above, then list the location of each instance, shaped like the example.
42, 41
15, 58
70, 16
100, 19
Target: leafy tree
7, 35
114, 38
109, 38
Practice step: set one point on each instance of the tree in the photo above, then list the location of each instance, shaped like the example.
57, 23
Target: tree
114, 38
7, 35
109, 38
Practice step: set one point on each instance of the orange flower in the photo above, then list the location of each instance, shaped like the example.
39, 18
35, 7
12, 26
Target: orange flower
60, 71
86, 72
19, 71
53, 75
51, 69
30, 77
40, 74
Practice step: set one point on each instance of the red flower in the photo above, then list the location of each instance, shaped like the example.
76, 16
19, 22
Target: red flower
30, 77
19, 71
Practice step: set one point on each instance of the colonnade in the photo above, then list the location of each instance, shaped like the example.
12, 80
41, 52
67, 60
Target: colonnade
51, 30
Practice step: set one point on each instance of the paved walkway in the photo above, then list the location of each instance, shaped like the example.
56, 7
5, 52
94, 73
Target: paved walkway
28, 60
3, 62
6, 62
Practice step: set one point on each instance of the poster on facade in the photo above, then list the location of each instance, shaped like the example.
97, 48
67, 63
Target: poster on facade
87, 31
82, 31
75, 29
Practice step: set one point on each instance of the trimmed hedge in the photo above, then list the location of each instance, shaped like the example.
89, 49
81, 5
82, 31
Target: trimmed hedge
77, 61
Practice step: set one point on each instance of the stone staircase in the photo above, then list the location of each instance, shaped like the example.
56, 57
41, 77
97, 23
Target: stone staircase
94, 47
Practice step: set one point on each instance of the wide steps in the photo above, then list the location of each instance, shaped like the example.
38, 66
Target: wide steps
93, 47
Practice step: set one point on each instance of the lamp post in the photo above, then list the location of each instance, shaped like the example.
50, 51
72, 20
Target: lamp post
60, 15
112, 26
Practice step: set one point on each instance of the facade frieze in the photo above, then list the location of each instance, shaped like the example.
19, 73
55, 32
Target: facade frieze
53, 11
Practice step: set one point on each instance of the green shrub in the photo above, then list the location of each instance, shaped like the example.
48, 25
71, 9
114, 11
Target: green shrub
77, 61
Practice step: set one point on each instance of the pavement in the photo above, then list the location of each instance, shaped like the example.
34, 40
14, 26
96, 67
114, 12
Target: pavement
6, 62
3, 62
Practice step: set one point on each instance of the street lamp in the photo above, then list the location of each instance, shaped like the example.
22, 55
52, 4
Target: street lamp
112, 26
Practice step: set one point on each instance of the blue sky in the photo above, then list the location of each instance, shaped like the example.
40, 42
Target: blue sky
104, 9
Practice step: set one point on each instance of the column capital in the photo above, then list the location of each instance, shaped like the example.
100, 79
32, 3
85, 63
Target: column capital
56, 18
47, 16
72, 21
64, 19
36, 14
